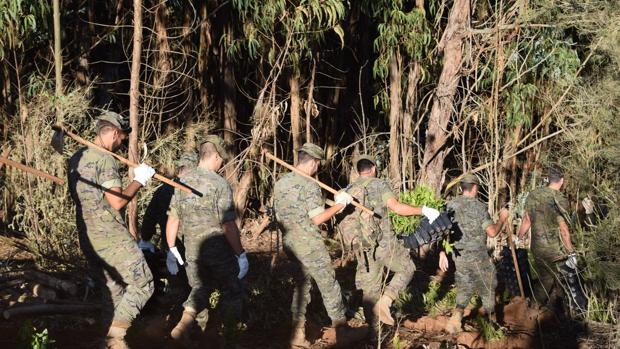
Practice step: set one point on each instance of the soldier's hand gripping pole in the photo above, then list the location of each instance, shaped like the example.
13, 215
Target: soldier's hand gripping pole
270, 156
63, 130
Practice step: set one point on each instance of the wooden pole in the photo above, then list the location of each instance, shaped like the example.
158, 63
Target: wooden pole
321, 184
60, 128
31, 170
515, 261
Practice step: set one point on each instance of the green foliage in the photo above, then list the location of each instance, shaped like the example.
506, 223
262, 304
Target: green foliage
20, 21
602, 310
421, 195
32, 338
269, 25
431, 301
489, 330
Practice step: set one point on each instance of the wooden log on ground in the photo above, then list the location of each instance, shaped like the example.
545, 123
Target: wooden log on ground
47, 309
42, 278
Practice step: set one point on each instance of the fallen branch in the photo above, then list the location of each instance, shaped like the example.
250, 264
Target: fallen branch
47, 280
48, 309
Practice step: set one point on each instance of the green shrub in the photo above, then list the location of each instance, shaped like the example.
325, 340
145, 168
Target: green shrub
421, 195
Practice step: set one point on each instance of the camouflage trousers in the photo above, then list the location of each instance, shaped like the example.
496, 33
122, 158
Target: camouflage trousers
115, 258
475, 277
546, 288
371, 276
312, 262
211, 264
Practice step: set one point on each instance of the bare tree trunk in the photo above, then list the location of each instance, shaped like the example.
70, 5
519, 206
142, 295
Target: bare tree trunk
57, 57
230, 111
295, 117
407, 128
395, 119
309, 110
134, 110
436, 133
203, 49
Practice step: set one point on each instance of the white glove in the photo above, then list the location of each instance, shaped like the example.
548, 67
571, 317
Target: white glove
171, 263
588, 205
515, 240
146, 246
244, 265
143, 173
342, 197
571, 261
430, 213
176, 254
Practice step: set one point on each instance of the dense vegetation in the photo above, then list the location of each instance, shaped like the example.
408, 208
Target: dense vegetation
430, 88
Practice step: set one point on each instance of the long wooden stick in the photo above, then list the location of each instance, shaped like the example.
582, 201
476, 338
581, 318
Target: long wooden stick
5, 154
269, 156
31, 170
513, 250
157, 176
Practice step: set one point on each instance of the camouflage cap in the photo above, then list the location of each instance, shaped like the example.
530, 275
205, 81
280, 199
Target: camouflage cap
116, 120
366, 157
470, 178
221, 145
313, 150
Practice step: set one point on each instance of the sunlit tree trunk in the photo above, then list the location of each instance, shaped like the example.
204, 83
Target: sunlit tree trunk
134, 109
451, 45
395, 119
295, 114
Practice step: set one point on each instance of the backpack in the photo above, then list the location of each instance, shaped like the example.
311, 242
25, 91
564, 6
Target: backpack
359, 229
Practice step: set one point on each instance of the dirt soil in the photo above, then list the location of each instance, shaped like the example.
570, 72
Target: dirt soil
267, 317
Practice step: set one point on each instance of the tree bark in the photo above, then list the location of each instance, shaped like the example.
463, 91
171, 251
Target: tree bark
395, 120
436, 133
295, 117
134, 110
57, 57
413, 78
309, 109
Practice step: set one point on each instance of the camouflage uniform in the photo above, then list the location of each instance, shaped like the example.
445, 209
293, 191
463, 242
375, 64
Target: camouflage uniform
388, 251
112, 253
475, 273
208, 254
545, 207
296, 200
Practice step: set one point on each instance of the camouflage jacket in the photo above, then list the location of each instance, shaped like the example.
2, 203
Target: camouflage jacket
546, 207
296, 200
202, 217
90, 174
472, 219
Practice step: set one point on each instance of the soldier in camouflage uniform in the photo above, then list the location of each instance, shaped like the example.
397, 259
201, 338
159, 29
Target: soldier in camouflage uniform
381, 249
113, 255
299, 207
546, 213
475, 273
213, 250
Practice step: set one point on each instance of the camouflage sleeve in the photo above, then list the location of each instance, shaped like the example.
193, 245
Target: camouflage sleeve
386, 192
486, 219
226, 206
563, 206
175, 208
315, 204
109, 176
